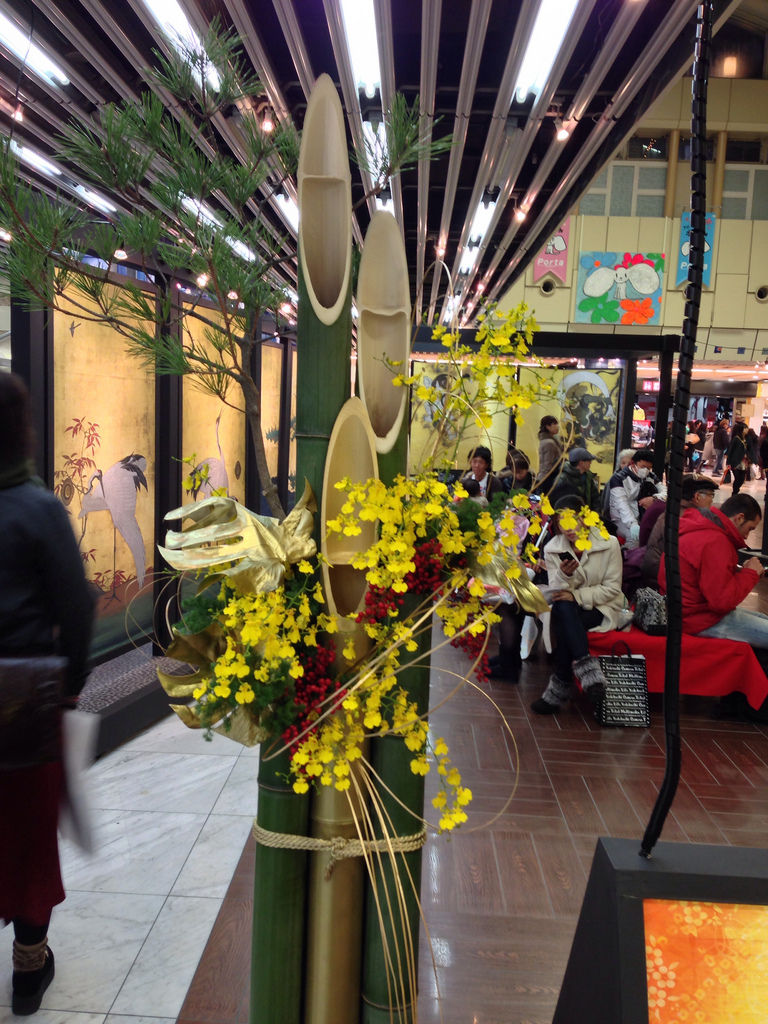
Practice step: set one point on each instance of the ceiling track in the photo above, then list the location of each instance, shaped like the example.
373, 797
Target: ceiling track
293, 37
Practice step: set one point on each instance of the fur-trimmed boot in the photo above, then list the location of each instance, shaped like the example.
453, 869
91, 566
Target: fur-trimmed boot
33, 970
556, 696
590, 677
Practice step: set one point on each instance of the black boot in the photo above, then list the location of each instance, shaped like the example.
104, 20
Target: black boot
508, 665
29, 985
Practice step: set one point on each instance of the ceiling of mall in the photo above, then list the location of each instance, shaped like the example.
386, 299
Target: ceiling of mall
461, 57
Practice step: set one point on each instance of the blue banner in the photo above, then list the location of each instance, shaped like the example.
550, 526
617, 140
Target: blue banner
682, 252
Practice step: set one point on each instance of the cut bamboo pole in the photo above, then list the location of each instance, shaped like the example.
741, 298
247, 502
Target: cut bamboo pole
390, 960
383, 298
323, 384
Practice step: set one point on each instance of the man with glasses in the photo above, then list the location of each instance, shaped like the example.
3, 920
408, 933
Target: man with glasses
699, 493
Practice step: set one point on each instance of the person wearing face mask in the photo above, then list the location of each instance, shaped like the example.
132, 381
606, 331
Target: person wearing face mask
480, 461
626, 502
713, 584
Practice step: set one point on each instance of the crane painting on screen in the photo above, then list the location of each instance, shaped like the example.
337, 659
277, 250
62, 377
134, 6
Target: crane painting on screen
210, 476
115, 492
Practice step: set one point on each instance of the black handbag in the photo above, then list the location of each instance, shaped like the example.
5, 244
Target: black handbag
650, 612
31, 694
626, 696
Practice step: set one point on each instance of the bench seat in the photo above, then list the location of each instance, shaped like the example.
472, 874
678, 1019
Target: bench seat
708, 667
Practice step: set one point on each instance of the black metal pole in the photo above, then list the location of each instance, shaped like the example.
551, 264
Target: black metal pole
677, 440
628, 404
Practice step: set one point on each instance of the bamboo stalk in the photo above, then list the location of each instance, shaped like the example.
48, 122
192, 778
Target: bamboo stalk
279, 899
323, 385
398, 945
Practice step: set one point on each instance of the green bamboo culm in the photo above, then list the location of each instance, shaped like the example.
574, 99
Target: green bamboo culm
323, 385
279, 900
395, 461
387, 956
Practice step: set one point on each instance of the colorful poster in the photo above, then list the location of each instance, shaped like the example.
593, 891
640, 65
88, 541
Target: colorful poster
685, 248
706, 962
554, 257
586, 402
426, 414
104, 466
620, 288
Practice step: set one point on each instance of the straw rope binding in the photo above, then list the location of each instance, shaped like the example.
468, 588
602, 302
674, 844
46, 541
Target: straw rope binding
338, 847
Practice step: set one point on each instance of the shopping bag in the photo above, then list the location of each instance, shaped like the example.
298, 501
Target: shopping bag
626, 696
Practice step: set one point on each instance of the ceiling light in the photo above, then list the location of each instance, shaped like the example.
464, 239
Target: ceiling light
730, 67
5, 236
360, 29
20, 43
18, 114
94, 199
242, 250
268, 121
481, 222
34, 159
549, 30
201, 210
286, 308
202, 280
520, 215
563, 133
440, 251
120, 254
175, 24
233, 295
289, 210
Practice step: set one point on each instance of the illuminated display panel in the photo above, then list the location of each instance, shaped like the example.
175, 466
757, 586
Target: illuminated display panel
706, 962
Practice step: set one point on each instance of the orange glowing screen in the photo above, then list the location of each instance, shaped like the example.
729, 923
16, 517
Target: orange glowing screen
707, 962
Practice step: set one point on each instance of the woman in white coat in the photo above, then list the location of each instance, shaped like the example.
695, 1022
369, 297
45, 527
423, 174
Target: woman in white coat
586, 596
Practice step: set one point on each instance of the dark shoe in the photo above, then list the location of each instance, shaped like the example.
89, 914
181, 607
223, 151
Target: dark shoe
543, 707
29, 987
505, 675
732, 706
494, 661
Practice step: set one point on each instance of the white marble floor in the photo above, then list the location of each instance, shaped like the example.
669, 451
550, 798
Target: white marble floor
172, 814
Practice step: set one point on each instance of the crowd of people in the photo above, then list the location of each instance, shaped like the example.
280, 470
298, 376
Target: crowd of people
593, 589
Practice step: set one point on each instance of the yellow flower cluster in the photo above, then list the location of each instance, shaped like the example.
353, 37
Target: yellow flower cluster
477, 379
586, 521
453, 797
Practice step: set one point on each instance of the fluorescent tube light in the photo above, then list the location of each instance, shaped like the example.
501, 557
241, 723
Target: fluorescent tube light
289, 209
202, 211
174, 22
19, 42
34, 159
548, 33
360, 28
94, 199
481, 222
469, 259
241, 249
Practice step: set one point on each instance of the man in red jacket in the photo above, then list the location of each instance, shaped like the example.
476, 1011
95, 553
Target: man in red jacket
713, 584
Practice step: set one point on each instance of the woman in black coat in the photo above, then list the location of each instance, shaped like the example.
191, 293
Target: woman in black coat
45, 609
736, 456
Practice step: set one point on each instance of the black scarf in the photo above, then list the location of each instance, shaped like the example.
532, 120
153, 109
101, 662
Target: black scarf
15, 474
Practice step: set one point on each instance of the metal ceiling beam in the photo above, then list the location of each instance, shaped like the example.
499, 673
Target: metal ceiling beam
533, 124
293, 37
383, 16
257, 53
476, 31
655, 51
525, 20
431, 12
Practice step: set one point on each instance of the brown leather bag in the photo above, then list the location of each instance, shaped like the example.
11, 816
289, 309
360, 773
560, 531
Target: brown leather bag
31, 694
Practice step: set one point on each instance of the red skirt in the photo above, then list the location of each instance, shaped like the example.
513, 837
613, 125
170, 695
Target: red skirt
30, 875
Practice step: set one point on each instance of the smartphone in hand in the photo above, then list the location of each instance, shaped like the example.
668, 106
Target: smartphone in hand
565, 556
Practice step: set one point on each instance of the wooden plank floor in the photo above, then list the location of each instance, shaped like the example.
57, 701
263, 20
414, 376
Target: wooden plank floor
502, 902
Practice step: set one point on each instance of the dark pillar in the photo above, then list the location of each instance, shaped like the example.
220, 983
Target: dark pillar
667, 359
628, 403
284, 448
32, 359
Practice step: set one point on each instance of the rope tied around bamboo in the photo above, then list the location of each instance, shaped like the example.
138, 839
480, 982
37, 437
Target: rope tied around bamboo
339, 847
